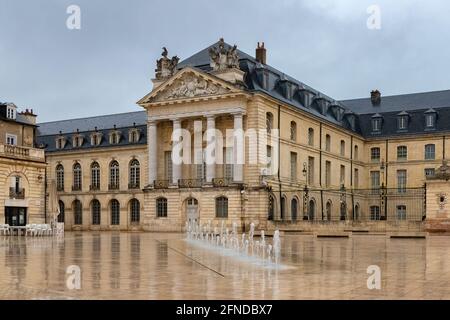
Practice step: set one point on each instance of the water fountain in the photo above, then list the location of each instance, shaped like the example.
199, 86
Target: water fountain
230, 243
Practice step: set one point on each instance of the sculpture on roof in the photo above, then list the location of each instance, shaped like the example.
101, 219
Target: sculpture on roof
165, 66
443, 172
222, 58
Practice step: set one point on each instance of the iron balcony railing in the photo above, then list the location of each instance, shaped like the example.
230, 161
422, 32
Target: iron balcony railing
190, 183
113, 186
94, 187
15, 193
161, 184
134, 186
222, 182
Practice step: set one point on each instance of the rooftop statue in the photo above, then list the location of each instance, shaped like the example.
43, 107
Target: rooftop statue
222, 58
166, 67
443, 172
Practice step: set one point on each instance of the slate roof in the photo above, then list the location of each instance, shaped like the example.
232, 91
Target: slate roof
355, 115
404, 102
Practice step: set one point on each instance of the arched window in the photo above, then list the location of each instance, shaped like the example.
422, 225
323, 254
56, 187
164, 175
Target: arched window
95, 210
114, 177
269, 122
343, 148
161, 207
115, 212
343, 211
283, 208
135, 211
294, 209
95, 176
293, 131
271, 208
356, 153
135, 173
77, 212
62, 210
60, 177
311, 137
329, 210
77, 177
328, 143
430, 152
221, 207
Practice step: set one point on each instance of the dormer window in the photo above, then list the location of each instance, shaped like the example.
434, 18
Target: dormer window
134, 135
11, 111
430, 119
96, 138
60, 142
402, 121
114, 137
77, 141
376, 123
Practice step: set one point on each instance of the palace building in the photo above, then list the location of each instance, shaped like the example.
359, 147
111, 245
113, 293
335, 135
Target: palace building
354, 165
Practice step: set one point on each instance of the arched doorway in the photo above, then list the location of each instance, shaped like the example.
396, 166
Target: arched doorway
328, 211
343, 211
192, 215
312, 209
294, 209
61, 211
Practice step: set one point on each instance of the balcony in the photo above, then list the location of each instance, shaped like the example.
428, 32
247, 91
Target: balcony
16, 193
222, 182
161, 184
94, 187
76, 188
22, 153
113, 186
132, 186
190, 183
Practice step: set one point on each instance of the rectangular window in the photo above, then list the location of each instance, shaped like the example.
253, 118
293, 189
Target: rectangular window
430, 152
401, 212
376, 125
429, 172
375, 179
375, 213
401, 181
293, 166
168, 165
429, 120
356, 180
269, 156
402, 153
375, 154
310, 170
327, 173
342, 175
11, 139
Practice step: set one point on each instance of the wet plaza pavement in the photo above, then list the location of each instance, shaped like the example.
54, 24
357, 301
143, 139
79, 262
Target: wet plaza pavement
165, 266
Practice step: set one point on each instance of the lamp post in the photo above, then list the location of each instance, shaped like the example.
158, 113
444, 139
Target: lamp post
383, 192
343, 199
305, 192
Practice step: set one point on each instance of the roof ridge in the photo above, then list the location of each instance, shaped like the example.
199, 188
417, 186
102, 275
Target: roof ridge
91, 117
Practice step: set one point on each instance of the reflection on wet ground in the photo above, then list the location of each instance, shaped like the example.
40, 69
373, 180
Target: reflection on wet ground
164, 266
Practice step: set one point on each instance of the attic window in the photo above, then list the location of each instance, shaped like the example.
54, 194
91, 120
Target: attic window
134, 136
60, 142
11, 113
376, 124
402, 122
430, 119
114, 137
96, 138
77, 141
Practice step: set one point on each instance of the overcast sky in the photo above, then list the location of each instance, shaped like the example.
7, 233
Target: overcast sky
106, 66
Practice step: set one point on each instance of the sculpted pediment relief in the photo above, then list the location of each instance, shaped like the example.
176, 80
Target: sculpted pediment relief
189, 84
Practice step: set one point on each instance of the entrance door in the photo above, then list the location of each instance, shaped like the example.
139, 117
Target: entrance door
192, 210
15, 216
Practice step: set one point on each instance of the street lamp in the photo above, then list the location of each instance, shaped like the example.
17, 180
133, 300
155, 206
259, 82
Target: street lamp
305, 193
343, 203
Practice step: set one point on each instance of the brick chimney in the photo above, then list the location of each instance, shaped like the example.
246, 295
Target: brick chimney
375, 97
261, 53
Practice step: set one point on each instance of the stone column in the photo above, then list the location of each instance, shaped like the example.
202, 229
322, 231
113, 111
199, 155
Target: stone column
152, 144
238, 149
211, 142
176, 136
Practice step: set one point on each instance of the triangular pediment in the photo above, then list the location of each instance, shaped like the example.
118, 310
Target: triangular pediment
189, 83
